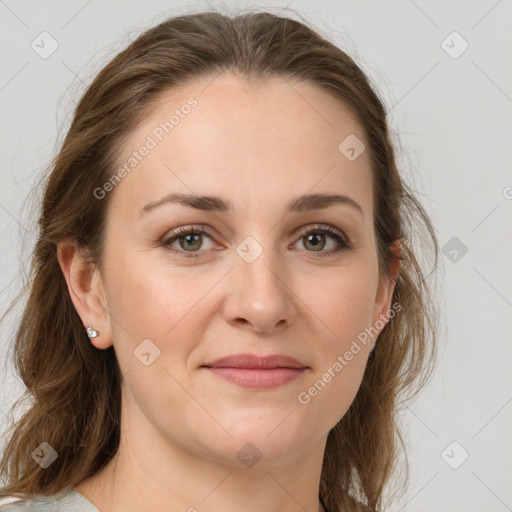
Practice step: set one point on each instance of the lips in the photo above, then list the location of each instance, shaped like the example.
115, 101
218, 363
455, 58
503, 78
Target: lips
251, 361
252, 371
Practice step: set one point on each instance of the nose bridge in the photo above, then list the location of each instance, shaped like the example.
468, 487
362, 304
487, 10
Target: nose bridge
258, 262
261, 296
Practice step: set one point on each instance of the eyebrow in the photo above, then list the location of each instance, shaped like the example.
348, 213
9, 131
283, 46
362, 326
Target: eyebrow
303, 203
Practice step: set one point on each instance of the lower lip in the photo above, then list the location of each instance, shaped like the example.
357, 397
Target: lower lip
258, 378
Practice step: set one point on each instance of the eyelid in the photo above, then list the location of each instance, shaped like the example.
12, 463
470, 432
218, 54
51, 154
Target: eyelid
191, 229
322, 228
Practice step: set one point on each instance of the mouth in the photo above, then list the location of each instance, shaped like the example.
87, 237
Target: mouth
252, 371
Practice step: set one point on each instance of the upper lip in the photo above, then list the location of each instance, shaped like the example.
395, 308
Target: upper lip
254, 361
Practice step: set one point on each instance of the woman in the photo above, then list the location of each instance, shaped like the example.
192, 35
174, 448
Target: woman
225, 307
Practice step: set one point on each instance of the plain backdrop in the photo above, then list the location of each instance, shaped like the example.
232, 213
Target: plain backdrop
443, 70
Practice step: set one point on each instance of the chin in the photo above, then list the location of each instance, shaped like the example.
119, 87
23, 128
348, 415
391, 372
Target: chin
258, 440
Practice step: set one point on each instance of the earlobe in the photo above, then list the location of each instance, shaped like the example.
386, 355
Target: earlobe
86, 291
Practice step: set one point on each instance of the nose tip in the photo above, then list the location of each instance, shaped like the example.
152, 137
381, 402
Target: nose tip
260, 299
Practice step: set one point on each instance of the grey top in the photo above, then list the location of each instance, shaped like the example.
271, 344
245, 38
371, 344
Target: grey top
68, 500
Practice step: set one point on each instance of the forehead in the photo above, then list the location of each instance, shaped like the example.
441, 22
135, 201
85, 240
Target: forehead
251, 140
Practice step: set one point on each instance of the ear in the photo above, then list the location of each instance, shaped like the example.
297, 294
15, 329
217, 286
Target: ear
385, 290
85, 286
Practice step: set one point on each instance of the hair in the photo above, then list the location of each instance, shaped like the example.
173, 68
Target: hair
75, 388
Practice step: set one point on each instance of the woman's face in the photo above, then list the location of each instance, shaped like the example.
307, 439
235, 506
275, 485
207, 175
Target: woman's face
253, 278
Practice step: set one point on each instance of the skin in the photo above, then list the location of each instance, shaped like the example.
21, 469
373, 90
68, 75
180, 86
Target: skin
257, 145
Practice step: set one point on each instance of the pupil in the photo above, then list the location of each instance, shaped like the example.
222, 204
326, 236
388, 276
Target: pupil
311, 239
188, 238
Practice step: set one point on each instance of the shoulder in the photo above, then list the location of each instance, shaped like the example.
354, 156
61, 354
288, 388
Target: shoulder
66, 501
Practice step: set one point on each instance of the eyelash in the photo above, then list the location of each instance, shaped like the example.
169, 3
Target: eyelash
344, 243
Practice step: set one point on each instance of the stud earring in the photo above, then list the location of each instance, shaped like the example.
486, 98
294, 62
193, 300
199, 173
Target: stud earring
91, 332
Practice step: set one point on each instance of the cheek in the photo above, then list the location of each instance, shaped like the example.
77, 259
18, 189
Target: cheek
149, 298
342, 303
152, 300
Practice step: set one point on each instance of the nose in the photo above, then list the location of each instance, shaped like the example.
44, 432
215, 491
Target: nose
260, 295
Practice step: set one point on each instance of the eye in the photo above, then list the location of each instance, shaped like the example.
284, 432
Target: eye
314, 237
190, 240
188, 237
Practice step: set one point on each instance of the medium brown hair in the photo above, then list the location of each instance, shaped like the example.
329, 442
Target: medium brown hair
75, 388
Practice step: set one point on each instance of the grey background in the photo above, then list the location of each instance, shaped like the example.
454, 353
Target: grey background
453, 117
